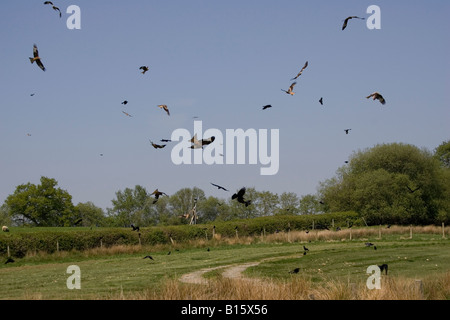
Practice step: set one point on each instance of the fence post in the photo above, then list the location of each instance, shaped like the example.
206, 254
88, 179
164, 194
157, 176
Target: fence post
443, 231
101, 243
57, 246
214, 232
410, 231
379, 232
139, 238
350, 234
7, 250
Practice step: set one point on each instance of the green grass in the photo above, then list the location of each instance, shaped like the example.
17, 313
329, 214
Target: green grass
106, 274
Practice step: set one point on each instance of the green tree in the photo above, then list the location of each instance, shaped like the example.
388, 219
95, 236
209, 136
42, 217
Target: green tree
288, 204
442, 153
132, 206
309, 204
90, 215
42, 205
183, 201
396, 182
5, 215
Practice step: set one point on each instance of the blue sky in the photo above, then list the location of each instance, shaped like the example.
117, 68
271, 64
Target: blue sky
221, 61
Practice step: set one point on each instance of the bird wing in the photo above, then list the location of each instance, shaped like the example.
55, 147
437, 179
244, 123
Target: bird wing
381, 99
345, 23
372, 95
241, 193
167, 110
292, 86
39, 63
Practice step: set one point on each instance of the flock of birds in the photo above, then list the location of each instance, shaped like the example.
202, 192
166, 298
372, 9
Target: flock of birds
239, 196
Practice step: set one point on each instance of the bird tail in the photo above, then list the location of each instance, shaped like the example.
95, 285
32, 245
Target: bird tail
31, 60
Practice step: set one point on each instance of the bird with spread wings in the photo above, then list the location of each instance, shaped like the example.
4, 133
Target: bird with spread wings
36, 58
349, 18
301, 71
291, 89
377, 96
54, 7
165, 108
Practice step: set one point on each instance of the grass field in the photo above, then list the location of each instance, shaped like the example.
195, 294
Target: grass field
334, 264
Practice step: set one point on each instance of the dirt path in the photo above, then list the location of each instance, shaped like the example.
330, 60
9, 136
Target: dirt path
230, 272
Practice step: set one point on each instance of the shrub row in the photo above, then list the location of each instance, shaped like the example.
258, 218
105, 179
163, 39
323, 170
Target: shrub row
81, 239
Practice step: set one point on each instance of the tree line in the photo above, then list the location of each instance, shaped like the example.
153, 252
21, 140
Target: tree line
388, 183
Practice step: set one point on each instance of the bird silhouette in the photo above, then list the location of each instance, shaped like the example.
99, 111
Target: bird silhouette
383, 267
36, 58
149, 257
305, 248
157, 146
295, 271
377, 96
291, 89
267, 107
240, 197
347, 131
199, 144
157, 194
127, 114
125, 102
349, 18
165, 108
168, 253
54, 7
301, 71
321, 101
219, 187
412, 190
135, 228
144, 69
165, 140
10, 260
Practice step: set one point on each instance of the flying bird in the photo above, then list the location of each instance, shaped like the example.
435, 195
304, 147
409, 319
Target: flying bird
199, 144
305, 248
377, 96
219, 187
127, 114
36, 58
347, 131
290, 90
411, 190
149, 257
166, 140
157, 194
321, 101
240, 197
267, 107
301, 71
10, 260
54, 7
125, 102
157, 146
135, 228
165, 108
346, 21
144, 69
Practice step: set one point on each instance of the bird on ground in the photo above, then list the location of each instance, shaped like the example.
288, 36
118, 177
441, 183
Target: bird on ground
144, 69
165, 108
208, 250
291, 89
157, 194
54, 7
383, 267
349, 18
125, 102
377, 96
36, 58
219, 187
388, 226
135, 228
321, 101
157, 146
168, 253
296, 270
149, 257
347, 131
267, 107
127, 114
305, 248
10, 260
301, 71
240, 197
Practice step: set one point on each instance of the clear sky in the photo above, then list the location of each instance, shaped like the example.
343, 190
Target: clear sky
221, 61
